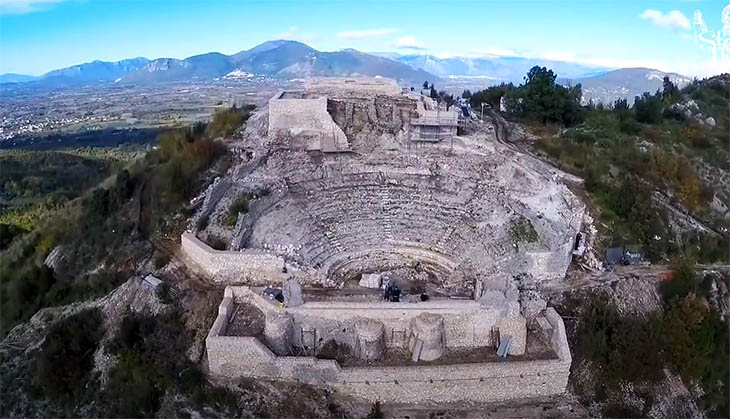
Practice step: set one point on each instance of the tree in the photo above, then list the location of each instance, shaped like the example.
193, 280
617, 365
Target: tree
621, 104
689, 186
123, 187
491, 95
684, 281
466, 94
425, 85
449, 100
670, 92
648, 108
572, 112
375, 411
434, 93
689, 336
64, 363
541, 99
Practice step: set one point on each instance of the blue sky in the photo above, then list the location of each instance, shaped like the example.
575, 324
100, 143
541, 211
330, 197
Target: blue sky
40, 35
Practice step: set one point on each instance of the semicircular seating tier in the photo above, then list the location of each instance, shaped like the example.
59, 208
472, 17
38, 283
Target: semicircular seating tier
454, 219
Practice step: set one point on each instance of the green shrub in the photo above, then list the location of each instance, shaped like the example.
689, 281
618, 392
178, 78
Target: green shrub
151, 354
629, 126
684, 281
8, 233
163, 293
136, 384
522, 231
689, 336
226, 121
63, 366
239, 205
621, 347
152, 360
648, 108
160, 260
376, 411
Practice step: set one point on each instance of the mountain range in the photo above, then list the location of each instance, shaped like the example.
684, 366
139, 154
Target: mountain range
499, 69
625, 83
281, 59
291, 59
598, 83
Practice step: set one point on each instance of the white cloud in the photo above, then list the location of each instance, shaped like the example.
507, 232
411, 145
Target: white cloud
24, 6
293, 34
558, 56
366, 34
408, 42
501, 52
672, 20
492, 52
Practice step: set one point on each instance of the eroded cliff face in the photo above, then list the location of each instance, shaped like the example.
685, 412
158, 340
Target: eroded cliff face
369, 121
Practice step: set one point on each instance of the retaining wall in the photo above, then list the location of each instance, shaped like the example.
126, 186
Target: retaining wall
246, 266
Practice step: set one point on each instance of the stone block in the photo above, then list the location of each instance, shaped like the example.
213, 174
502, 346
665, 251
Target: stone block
371, 280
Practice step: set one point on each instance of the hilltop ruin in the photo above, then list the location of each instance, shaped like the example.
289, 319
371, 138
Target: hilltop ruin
353, 185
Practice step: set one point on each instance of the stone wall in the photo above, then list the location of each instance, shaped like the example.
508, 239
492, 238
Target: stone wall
233, 357
467, 323
549, 265
213, 194
355, 85
374, 121
309, 117
246, 266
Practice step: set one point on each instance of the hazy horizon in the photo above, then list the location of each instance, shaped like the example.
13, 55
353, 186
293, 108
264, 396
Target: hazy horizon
37, 36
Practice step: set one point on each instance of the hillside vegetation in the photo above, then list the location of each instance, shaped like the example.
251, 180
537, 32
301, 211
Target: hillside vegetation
656, 175
34, 184
685, 336
643, 165
97, 237
101, 238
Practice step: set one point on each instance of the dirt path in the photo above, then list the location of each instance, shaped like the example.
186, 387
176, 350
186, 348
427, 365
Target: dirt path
653, 273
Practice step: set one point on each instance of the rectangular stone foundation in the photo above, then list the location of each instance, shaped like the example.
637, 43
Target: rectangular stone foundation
235, 357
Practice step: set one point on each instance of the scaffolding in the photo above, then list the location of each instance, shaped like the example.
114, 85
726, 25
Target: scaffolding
435, 126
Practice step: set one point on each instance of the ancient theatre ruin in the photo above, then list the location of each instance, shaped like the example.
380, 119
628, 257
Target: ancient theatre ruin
390, 250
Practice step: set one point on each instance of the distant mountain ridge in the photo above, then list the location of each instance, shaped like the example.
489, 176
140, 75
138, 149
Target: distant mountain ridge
93, 72
600, 84
282, 59
291, 59
500, 69
16, 78
625, 83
